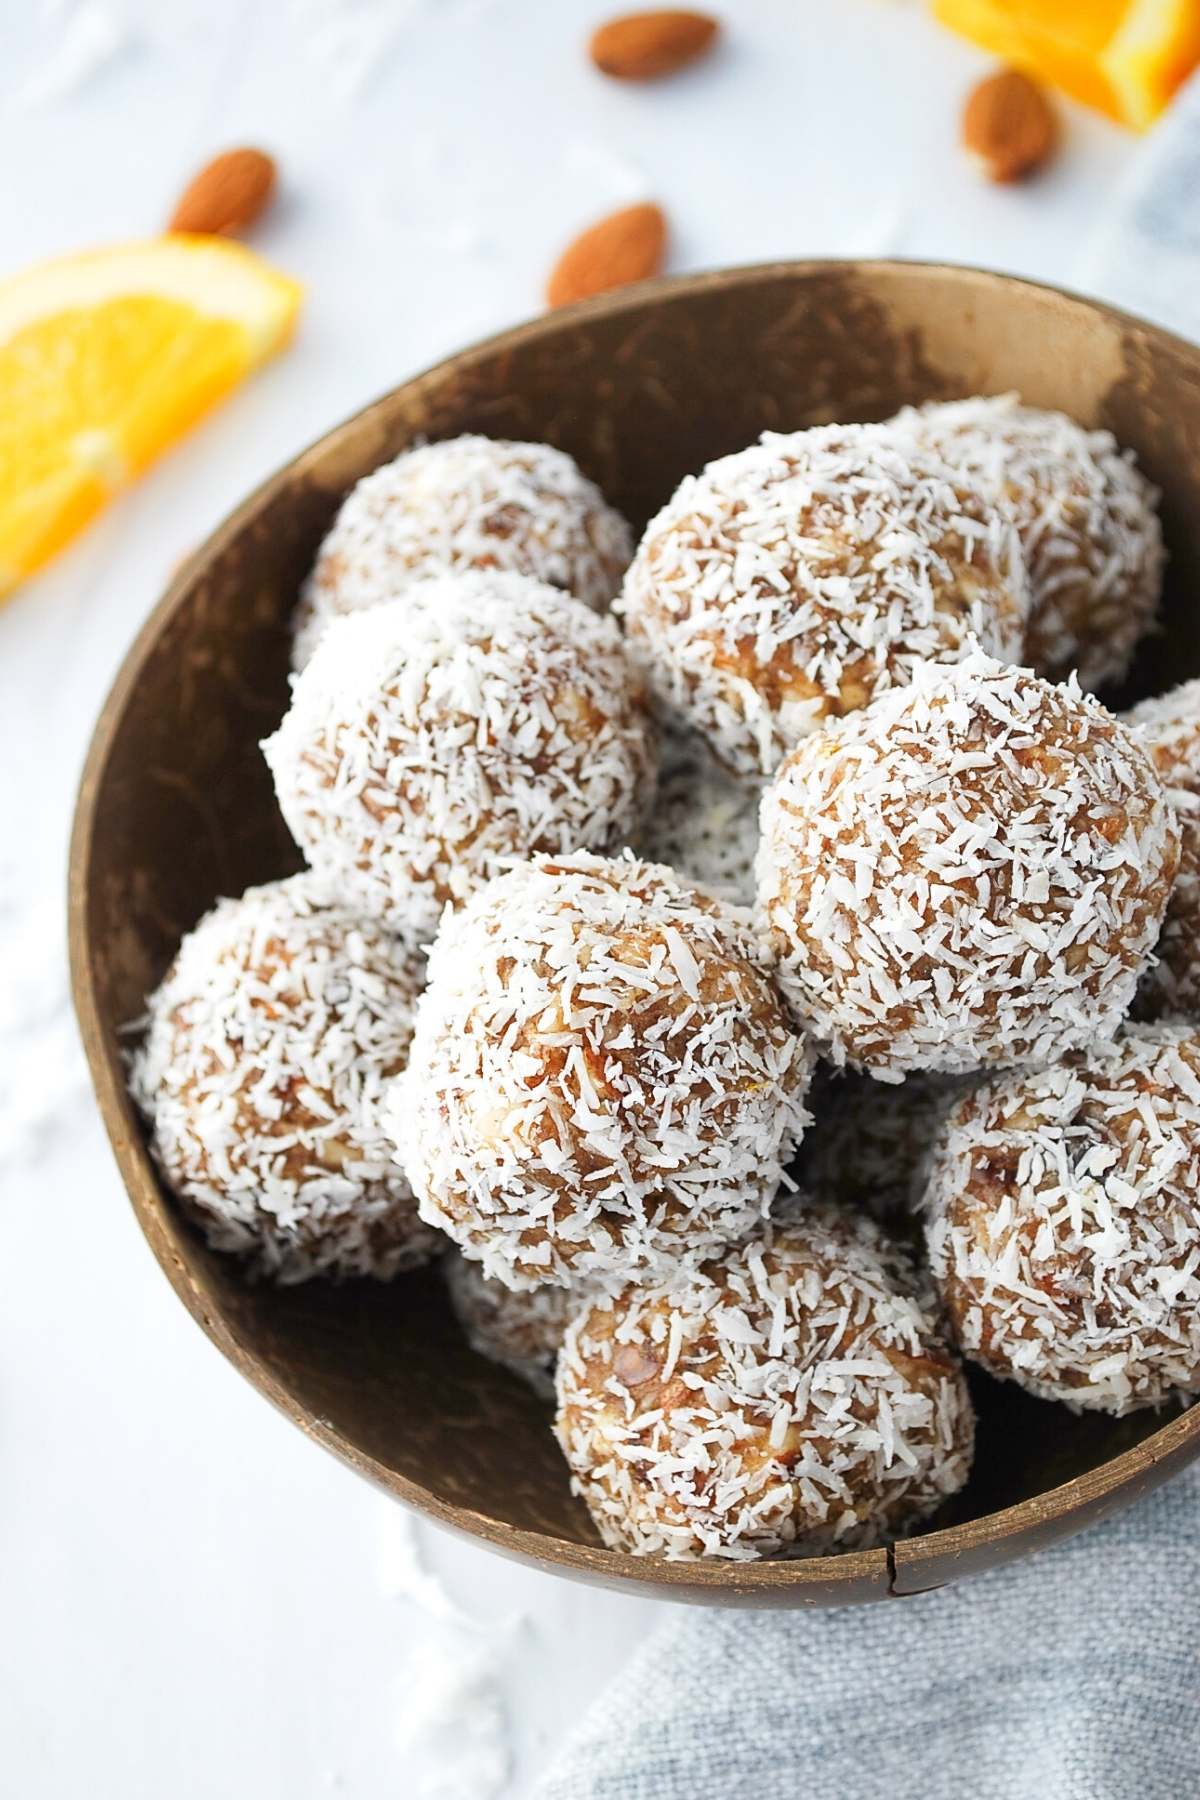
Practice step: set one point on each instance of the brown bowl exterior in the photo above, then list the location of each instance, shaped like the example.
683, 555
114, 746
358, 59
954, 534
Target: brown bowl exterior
176, 809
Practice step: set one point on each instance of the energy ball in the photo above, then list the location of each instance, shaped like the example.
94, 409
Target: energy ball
971, 871
268, 1048
465, 503
520, 1331
430, 744
798, 579
1064, 1223
1170, 729
603, 1077
704, 822
870, 1142
1087, 521
791, 1397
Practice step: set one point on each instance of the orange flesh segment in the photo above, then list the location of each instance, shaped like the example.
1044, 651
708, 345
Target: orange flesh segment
1122, 57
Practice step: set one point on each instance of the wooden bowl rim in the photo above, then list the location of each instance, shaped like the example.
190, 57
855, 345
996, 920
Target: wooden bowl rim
875, 1568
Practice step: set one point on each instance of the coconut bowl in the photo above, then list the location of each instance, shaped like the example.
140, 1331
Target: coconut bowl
176, 808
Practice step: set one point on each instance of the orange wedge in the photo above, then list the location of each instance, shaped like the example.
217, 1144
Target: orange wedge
105, 360
1123, 57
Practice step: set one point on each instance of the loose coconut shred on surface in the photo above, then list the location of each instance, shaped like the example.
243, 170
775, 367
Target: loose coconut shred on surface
465, 503
603, 1079
795, 580
970, 871
1064, 1227
269, 1047
794, 1395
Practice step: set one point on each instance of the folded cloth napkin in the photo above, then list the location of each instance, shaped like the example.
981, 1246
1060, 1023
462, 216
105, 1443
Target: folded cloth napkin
1144, 255
1074, 1675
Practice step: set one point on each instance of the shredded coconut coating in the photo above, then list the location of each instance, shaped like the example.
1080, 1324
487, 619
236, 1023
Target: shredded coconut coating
796, 580
792, 1397
465, 503
704, 823
431, 744
267, 1052
1170, 729
603, 1077
971, 871
870, 1142
521, 1331
1063, 1223
1087, 520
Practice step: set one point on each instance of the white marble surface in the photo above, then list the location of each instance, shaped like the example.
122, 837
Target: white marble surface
195, 1601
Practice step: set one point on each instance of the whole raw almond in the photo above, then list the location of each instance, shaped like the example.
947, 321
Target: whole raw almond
646, 45
228, 194
1009, 126
626, 246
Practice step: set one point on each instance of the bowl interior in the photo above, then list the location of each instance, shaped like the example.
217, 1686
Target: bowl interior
177, 807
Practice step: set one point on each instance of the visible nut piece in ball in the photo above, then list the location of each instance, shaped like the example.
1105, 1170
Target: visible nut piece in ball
1064, 1223
971, 871
603, 1077
793, 1396
430, 744
267, 1051
1170, 729
1087, 520
521, 1330
704, 822
465, 503
796, 580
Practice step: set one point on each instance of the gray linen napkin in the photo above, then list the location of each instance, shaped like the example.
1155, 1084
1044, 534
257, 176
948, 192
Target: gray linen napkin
1074, 1675
1145, 256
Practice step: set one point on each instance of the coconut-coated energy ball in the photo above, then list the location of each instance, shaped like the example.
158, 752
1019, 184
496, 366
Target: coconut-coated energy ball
429, 744
704, 821
1170, 729
1087, 520
795, 580
268, 1048
1063, 1223
465, 503
603, 1079
793, 1396
521, 1330
971, 871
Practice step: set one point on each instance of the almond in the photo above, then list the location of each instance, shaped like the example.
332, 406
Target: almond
626, 246
228, 194
1009, 126
633, 1366
646, 45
